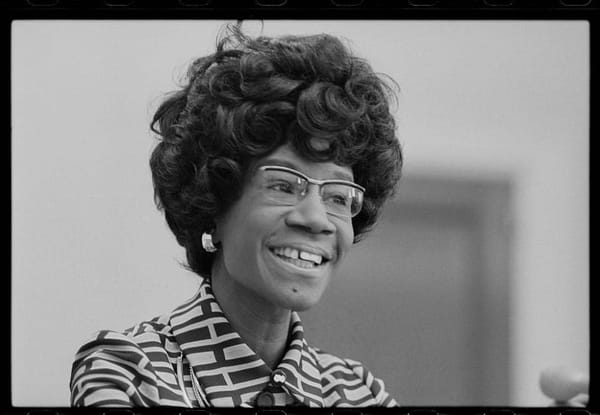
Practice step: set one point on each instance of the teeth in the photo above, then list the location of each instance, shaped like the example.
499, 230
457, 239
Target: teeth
287, 252
300, 263
311, 257
295, 254
291, 253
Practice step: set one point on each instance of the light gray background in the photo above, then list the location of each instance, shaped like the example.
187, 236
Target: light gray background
504, 100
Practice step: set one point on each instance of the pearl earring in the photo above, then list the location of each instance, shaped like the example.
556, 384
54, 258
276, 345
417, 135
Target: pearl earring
207, 243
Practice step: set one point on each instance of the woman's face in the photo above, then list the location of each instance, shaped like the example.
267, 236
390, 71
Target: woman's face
259, 238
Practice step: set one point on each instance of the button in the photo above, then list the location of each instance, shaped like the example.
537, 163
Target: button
265, 399
278, 377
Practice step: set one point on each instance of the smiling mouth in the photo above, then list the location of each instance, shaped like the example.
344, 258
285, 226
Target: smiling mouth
299, 258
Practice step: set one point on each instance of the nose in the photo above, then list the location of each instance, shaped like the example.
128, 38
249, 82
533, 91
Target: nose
310, 214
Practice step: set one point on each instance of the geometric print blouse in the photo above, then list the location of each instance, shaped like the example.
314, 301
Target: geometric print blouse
193, 358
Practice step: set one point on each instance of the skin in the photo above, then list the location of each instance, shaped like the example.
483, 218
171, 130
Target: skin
256, 289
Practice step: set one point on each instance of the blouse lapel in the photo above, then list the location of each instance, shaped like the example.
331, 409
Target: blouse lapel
228, 370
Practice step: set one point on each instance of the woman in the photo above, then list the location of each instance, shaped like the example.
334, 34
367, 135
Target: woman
274, 158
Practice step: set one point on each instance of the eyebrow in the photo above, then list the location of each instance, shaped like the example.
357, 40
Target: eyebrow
337, 174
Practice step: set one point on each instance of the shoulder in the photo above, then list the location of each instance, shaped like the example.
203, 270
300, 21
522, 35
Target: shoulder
352, 380
137, 344
122, 368
132, 344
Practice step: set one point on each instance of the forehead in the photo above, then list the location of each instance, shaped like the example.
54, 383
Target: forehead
287, 157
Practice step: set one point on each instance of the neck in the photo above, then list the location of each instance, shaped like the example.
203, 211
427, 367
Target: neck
263, 326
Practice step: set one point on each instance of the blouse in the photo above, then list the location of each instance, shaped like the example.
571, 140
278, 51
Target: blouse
192, 357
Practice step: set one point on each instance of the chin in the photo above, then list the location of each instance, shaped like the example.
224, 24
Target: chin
299, 301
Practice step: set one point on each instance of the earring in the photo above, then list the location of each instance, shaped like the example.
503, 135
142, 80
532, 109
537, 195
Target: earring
207, 243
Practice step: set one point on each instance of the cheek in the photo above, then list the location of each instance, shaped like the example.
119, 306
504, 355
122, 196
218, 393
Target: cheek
345, 238
244, 237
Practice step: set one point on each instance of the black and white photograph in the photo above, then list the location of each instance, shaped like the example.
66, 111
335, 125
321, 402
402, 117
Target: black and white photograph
312, 213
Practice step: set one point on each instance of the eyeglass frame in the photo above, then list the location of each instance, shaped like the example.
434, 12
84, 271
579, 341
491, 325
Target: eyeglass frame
318, 183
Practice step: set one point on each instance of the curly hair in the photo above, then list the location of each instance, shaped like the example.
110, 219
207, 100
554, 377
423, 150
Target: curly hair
252, 96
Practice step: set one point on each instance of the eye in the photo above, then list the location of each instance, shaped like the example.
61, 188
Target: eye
282, 186
339, 199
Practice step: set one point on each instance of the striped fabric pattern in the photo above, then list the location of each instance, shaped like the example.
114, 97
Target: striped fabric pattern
152, 364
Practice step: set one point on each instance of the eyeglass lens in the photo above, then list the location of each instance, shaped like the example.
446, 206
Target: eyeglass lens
288, 188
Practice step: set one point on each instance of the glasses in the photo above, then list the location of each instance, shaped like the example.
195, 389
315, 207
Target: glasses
286, 186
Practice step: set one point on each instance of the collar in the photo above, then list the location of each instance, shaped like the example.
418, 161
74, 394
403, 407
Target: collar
228, 370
